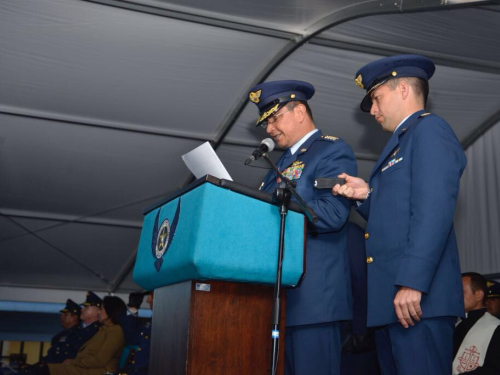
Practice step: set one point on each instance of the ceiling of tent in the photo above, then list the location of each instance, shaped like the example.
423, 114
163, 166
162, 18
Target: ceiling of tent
99, 99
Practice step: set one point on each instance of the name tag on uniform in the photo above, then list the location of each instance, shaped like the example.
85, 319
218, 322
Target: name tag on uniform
391, 163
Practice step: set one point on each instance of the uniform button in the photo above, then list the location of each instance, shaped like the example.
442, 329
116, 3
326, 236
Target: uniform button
367, 235
133, 362
146, 337
139, 349
369, 260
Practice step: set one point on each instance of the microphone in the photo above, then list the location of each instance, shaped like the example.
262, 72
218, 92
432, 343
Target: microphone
267, 145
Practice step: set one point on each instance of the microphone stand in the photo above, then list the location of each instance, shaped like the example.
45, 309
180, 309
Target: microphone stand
282, 196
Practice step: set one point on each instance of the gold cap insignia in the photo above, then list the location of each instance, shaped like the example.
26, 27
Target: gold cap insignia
266, 114
394, 74
255, 96
359, 81
489, 284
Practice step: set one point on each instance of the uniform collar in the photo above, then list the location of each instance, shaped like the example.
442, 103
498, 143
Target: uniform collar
296, 146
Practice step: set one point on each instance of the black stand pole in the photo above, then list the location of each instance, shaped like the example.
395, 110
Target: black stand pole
282, 196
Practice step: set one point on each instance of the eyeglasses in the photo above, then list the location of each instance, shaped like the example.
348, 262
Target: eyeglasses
272, 119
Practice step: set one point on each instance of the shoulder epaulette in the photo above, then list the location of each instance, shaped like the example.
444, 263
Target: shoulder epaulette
329, 137
424, 114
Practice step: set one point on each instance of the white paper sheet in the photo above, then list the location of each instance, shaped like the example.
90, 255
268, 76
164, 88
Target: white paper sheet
203, 160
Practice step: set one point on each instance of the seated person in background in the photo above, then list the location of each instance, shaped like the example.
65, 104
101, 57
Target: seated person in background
492, 302
476, 341
131, 322
102, 352
139, 363
66, 343
90, 318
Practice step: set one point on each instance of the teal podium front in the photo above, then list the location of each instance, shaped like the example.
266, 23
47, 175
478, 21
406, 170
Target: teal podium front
210, 252
210, 231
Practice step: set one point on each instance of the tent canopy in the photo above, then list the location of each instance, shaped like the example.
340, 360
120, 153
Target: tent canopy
99, 100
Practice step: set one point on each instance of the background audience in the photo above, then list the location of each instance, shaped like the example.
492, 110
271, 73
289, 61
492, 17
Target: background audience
476, 341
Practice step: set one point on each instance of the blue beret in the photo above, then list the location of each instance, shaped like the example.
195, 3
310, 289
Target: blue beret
376, 73
493, 289
92, 299
72, 307
269, 97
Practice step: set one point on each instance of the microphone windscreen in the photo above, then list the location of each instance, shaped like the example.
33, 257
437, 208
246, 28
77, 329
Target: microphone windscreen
269, 143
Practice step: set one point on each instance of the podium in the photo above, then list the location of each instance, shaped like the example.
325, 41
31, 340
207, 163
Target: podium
210, 253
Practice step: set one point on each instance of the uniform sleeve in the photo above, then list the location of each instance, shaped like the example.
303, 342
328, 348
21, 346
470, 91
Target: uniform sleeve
100, 355
491, 365
364, 208
332, 211
437, 162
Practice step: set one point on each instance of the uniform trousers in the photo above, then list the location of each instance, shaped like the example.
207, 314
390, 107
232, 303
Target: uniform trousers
426, 348
313, 349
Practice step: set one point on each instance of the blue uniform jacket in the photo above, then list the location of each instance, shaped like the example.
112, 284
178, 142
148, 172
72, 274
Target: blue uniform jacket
324, 295
410, 240
64, 345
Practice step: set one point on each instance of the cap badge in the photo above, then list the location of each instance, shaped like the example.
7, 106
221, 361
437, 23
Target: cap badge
359, 81
489, 284
255, 96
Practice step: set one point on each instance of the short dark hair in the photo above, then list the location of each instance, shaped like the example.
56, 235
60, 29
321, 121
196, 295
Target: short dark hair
115, 308
419, 85
477, 282
292, 105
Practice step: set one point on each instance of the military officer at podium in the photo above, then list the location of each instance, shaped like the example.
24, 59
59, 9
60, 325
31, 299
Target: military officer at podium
414, 280
323, 298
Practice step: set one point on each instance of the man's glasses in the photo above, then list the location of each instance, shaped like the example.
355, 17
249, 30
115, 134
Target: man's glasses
272, 119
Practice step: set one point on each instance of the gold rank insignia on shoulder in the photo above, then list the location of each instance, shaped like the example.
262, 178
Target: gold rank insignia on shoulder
303, 150
329, 137
255, 96
359, 81
424, 114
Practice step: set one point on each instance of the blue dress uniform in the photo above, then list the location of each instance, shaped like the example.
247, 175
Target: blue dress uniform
138, 360
140, 363
66, 343
324, 294
410, 240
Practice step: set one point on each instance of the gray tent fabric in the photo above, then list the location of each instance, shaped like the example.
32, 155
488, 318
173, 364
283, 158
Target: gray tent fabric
100, 98
478, 213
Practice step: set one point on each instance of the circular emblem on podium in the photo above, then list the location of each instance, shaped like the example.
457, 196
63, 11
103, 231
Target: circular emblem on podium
163, 238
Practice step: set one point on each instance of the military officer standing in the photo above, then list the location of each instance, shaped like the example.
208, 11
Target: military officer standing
414, 280
323, 298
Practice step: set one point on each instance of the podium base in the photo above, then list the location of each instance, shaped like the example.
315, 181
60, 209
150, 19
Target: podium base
214, 327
